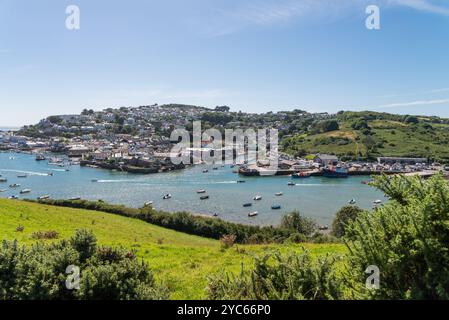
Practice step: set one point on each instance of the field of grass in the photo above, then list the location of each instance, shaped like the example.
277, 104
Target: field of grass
392, 138
183, 262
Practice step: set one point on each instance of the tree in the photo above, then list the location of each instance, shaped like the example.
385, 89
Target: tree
296, 221
411, 120
343, 218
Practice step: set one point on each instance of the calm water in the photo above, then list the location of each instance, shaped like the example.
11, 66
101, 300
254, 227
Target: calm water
315, 197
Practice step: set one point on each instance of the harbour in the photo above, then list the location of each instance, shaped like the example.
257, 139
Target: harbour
227, 191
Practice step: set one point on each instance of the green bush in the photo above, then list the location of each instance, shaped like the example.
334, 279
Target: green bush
407, 239
278, 277
39, 272
342, 219
300, 224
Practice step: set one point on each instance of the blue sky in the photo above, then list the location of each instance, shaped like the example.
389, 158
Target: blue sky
253, 55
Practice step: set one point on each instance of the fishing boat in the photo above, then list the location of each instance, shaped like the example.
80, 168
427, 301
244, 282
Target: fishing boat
275, 207
3, 180
201, 191
247, 204
40, 157
253, 214
14, 185
204, 197
167, 196
25, 191
335, 172
291, 183
257, 198
352, 201
44, 197
278, 194
300, 175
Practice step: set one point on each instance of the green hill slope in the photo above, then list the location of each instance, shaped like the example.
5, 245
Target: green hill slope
181, 261
367, 135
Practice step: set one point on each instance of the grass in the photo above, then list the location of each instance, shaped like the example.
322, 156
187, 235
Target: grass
183, 262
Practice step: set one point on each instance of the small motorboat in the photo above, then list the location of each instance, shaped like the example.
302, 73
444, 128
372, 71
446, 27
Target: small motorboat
167, 196
257, 198
3, 180
75, 199
13, 197
44, 197
94, 180
215, 168
253, 214
3, 190
205, 171
204, 197
15, 185
291, 183
50, 174
201, 191
352, 201
247, 204
215, 214
275, 207
25, 191
300, 175
278, 194
377, 201
241, 181
40, 157
148, 204
22, 176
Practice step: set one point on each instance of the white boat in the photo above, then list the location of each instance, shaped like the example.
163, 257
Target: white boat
40, 157
75, 199
44, 197
3, 180
25, 191
201, 191
377, 201
167, 196
3, 190
253, 214
15, 185
278, 194
352, 201
13, 197
149, 203
257, 198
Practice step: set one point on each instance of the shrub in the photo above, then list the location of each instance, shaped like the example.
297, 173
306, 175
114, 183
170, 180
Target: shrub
343, 217
85, 243
227, 241
277, 277
300, 224
38, 272
407, 239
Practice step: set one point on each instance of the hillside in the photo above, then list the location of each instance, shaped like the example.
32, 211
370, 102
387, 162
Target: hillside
367, 135
182, 261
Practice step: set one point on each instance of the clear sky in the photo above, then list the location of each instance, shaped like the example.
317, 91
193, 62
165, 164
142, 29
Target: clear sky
253, 55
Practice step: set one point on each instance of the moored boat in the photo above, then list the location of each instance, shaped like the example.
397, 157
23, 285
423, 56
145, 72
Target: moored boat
204, 197
253, 214
335, 172
201, 191
257, 198
247, 204
14, 185
352, 201
3, 180
299, 175
22, 176
278, 194
40, 157
275, 207
25, 191
44, 197
291, 183
167, 196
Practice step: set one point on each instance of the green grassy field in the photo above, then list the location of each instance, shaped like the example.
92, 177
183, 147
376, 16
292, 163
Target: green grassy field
183, 262
392, 138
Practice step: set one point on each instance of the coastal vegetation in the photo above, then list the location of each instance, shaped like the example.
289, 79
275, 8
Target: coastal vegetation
406, 240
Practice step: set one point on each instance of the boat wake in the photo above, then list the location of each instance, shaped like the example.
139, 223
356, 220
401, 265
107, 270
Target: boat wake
31, 173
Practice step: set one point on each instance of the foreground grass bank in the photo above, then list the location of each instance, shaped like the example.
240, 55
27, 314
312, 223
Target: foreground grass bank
183, 262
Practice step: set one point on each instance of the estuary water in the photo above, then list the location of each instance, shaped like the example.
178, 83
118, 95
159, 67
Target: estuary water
316, 197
